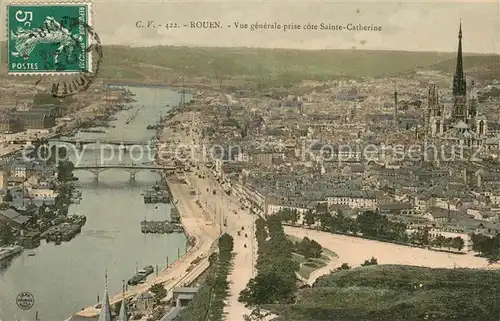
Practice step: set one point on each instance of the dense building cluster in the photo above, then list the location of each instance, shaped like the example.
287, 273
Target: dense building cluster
405, 148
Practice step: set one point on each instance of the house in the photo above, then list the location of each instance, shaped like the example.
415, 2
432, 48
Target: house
13, 181
440, 215
421, 202
482, 214
32, 181
19, 170
396, 208
43, 194
36, 119
353, 199
183, 295
45, 172
10, 124
274, 207
145, 301
13, 218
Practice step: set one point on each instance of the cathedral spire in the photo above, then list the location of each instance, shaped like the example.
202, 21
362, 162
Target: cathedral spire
123, 309
105, 314
459, 86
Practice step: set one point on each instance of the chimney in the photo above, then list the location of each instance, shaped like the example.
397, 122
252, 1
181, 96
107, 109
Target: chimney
464, 174
396, 109
478, 176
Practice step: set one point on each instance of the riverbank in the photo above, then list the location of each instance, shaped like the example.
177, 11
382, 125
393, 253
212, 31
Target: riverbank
83, 117
182, 271
111, 238
187, 268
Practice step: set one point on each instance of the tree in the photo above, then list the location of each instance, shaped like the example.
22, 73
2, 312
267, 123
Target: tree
158, 291
308, 248
458, 243
42, 209
372, 261
325, 221
212, 259
6, 235
295, 217
439, 241
226, 242
344, 266
268, 287
65, 171
8, 197
309, 217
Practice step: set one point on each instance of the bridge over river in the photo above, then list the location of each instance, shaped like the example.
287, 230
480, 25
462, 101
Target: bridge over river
80, 142
130, 168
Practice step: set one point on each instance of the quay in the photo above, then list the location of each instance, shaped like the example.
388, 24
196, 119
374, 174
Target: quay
182, 271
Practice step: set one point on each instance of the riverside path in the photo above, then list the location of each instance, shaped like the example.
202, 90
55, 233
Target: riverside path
195, 225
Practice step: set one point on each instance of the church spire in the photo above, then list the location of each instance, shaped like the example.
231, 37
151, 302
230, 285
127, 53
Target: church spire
105, 314
123, 309
459, 85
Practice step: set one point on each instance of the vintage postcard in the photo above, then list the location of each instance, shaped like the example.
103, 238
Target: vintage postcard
249, 160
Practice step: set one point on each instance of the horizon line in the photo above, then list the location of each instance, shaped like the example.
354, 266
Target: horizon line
296, 49
290, 49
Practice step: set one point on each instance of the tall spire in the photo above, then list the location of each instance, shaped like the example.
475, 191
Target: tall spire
105, 314
123, 309
459, 85
396, 120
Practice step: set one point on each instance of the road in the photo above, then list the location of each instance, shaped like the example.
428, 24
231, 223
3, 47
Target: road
355, 250
237, 220
226, 209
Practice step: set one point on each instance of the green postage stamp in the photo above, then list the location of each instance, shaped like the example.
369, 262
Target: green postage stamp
48, 38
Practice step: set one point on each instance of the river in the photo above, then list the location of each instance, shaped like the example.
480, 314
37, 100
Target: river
68, 277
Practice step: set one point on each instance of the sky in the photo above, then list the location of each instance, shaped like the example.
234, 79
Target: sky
408, 26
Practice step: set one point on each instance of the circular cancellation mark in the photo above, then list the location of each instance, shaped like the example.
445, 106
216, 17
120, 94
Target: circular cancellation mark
25, 300
69, 85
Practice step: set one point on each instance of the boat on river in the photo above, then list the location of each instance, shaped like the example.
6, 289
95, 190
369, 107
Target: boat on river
141, 275
8, 251
94, 131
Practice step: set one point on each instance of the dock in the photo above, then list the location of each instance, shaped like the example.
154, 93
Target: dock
160, 227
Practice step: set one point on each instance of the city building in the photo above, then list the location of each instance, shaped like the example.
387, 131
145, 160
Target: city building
10, 124
462, 124
353, 199
13, 218
36, 119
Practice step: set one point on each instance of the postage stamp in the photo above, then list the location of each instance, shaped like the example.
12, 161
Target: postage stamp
48, 38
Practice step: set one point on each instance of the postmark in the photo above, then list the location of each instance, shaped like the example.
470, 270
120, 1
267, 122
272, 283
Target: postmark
49, 38
64, 85
25, 300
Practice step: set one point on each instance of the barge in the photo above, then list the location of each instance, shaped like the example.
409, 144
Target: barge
9, 251
141, 275
160, 227
155, 195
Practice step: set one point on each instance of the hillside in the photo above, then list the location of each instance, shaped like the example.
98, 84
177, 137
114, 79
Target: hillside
398, 293
271, 66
